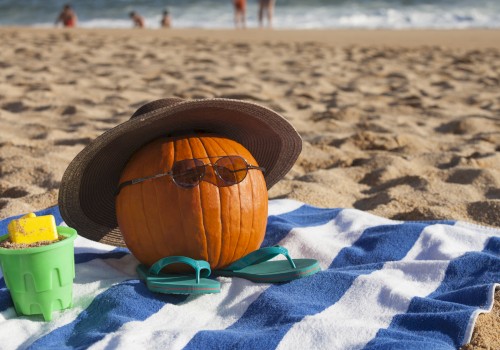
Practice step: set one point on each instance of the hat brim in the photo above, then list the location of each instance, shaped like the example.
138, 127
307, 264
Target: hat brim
86, 195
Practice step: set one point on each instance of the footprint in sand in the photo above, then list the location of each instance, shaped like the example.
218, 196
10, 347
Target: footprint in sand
443, 85
45, 178
360, 161
69, 110
372, 202
110, 99
493, 193
411, 101
78, 125
454, 161
15, 107
72, 142
469, 124
36, 131
487, 212
42, 108
14, 192
465, 176
244, 96
416, 214
87, 102
39, 87
367, 140
397, 81
416, 182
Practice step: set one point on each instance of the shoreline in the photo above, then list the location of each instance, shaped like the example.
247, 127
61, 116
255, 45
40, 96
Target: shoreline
451, 38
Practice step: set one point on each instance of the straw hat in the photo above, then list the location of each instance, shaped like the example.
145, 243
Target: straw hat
86, 195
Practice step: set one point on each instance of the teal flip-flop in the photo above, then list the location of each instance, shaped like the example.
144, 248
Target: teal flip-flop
175, 283
256, 267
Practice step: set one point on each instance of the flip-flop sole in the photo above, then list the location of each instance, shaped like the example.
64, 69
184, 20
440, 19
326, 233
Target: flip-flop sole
274, 271
177, 284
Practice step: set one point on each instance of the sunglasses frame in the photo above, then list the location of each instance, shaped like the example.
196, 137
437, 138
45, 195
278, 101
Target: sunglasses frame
170, 173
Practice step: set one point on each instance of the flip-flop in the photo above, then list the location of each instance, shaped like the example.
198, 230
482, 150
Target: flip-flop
256, 267
175, 283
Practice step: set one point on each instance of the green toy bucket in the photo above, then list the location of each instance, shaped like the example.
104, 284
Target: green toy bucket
40, 279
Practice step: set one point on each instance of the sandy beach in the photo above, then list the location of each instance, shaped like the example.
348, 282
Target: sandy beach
402, 124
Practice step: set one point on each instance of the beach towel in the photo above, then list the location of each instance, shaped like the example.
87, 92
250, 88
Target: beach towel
384, 284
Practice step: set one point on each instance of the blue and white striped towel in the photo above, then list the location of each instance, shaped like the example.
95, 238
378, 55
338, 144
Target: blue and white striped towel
385, 285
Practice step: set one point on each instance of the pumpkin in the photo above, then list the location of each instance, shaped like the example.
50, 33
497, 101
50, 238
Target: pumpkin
218, 224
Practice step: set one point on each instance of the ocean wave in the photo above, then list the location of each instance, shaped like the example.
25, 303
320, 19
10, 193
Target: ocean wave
391, 14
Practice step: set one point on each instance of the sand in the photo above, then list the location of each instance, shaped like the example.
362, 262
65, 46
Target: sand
402, 124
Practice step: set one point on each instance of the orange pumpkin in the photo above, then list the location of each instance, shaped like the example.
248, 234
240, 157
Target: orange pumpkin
218, 224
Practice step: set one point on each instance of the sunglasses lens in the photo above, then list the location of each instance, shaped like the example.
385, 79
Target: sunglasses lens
231, 169
188, 172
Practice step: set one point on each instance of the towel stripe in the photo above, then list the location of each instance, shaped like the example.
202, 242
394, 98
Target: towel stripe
117, 253
281, 206
379, 244
279, 226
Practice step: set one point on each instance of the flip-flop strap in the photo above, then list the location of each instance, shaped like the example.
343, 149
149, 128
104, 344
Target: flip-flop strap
259, 256
201, 267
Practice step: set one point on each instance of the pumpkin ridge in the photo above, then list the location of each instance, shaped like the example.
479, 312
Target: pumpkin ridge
158, 202
131, 206
240, 202
151, 236
205, 142
145, 227
232, 244
253, 213
249, 236
171, 237
201, 203
183, 221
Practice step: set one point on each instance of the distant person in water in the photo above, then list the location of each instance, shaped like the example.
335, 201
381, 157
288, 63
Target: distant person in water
166, 21
266, 8
67, 17
137, 19
240, 7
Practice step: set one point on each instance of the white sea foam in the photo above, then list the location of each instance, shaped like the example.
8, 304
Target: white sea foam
392, 14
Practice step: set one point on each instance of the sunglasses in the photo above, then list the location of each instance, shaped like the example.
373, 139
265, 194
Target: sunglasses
188, 173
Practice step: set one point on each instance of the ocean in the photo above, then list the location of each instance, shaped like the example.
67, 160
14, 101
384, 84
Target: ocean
289, 14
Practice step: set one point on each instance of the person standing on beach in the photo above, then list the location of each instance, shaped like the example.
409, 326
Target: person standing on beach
166, 21
137, 19
67, 17
240, 7
266, 6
